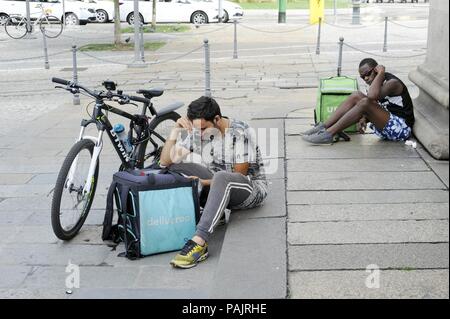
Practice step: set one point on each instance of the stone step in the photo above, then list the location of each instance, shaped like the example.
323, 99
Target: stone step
386, 256
368, 232
393, 284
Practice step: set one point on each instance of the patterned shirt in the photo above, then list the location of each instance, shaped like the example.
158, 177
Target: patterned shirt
221, 153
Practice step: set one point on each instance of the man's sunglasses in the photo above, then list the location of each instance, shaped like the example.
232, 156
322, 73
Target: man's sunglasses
363, 76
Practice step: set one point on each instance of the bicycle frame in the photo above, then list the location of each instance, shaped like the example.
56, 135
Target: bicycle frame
103, 124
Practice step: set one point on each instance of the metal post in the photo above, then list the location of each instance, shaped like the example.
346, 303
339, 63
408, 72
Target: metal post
385, 34
27, 4
334, 7
138, 61
356, 11
220, 11
235, 53
318, 36
282, 11
76, 97
341, 46
207, 69
141, 31
46, 64
64, 14
136, 30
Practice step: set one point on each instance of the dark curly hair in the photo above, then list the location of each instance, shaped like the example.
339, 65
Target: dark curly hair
369, 61
204, 107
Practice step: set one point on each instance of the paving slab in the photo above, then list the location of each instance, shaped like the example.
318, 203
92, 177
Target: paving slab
297, 148
14, 219
138, 293
366, 197
363, 181
416, 284
270, 137
260, 243
14, 179
24, 190
31, 294
13, 276
386, 256
368, 232
274, 206
52, 254
357, 165
274, 168
353, 212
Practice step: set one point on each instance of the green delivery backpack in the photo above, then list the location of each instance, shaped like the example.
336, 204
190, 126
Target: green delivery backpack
332, 92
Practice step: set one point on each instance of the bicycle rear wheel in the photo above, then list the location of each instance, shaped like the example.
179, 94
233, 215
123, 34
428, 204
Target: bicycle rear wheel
16, 27
150, 150
70, 205
51, 26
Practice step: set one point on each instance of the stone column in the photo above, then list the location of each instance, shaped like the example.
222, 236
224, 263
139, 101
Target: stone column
431, 106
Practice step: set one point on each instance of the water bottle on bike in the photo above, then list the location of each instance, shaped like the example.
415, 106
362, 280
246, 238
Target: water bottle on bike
119, 129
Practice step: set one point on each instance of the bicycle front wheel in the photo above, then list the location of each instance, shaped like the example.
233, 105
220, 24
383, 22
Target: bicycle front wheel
51, 26
149, 151
16, 27
71, 202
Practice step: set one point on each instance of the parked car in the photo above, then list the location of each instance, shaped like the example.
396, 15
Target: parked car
230, 10
104, 10
171, 11
75, 12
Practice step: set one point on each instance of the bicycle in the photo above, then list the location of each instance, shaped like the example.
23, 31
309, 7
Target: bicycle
77, 180
16, 26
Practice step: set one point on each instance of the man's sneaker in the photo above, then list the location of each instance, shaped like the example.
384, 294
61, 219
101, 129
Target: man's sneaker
191, 254
317, 128
322, 137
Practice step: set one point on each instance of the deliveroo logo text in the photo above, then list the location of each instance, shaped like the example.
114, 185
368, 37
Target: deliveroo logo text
164, 220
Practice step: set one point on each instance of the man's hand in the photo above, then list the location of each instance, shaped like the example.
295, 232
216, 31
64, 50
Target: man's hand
362, 125
184, 122
380, 69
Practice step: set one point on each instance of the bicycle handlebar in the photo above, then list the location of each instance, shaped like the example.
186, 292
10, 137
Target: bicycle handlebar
60, 81
101, 95
139, 99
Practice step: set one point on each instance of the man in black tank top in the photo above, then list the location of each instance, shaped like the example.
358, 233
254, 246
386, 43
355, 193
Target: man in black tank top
387, 106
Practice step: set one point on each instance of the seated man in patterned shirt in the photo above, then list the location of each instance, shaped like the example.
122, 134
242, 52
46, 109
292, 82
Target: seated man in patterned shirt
231, 167
387, 106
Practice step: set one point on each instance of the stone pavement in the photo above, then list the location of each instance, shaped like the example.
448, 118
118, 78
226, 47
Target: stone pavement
332, 210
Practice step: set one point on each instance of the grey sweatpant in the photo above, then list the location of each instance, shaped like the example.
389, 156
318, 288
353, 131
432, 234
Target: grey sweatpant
226, 190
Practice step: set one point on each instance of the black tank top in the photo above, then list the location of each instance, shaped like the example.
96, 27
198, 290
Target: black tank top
400, 105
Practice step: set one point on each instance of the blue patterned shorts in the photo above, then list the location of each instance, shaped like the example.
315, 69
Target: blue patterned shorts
395, 129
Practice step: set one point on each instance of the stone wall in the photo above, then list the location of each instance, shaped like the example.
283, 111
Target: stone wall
432, 104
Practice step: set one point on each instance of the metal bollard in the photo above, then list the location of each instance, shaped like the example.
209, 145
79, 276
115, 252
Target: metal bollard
141, 31
235, 54
341, 46
46, 63
356, 11
385, 34
207, 69
318, 36
76, 97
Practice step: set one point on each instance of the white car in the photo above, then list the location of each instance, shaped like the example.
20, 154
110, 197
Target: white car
171, 11
230, 10
104, 9
75, 12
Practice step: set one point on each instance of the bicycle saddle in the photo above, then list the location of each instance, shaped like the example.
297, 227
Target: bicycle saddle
154, 92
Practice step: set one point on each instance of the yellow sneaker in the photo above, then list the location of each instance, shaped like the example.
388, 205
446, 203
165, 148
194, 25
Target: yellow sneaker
191, 254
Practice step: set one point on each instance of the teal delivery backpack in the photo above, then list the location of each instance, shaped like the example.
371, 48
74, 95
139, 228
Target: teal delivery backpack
157, 211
